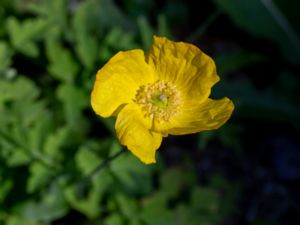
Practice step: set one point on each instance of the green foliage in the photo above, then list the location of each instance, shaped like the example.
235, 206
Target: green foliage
86, 43
146, 32
15, 220
262, 105
264, 19
62, 65
50, 138
51, 206
23, 35
5, 57
86, 161
235, 60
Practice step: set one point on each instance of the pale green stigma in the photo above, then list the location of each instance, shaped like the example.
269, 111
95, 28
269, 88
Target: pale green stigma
159, 100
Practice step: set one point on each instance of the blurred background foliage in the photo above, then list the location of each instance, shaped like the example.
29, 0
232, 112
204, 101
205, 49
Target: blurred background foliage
245, 173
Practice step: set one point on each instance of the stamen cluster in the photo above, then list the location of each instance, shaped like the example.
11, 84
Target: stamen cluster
159, 100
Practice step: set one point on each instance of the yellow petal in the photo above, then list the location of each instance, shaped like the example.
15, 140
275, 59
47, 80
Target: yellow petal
117, 82
184, 65
208, 115
133, 130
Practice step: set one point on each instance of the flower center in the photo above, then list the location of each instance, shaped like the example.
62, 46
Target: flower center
159, 100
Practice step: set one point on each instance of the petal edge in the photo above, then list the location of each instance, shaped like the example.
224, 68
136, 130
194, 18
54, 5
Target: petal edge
208, 115
118, 80
133, 131
184, 65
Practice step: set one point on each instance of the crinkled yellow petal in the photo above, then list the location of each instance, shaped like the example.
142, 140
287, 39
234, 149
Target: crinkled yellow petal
208, 115
117, 82
133, 131
184, 65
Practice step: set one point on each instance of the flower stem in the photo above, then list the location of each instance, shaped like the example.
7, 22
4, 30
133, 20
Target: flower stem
203, 27
86, 181
103, 164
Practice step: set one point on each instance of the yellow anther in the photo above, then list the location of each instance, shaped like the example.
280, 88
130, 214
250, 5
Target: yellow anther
159, 100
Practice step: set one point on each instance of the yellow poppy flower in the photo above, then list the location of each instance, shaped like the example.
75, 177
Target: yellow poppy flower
165, 91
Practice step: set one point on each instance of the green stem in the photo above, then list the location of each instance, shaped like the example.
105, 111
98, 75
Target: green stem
103, 164
85, 182
202, 28
282, 22
33, 155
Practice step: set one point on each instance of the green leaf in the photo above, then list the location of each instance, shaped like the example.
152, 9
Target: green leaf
155, 211
290, 11
86, 161
132, 174
173, 180
135, 222
203, 208
21, 95
236, 60
163, 28
55, 142
87, 50
128, 206
262, 105
74, 100
116, 39
21, 89
62, 64
114, 219
38, 134
146, 32
52, 205
18, 157
5, 56
230, 194
184, 214
39, 177
54, 11
5, 187
23, 114
23, 36
90, 206
205, 200
264, 19
84, 18
110, 15
17, 220
87, 47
